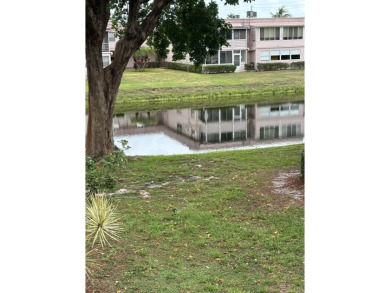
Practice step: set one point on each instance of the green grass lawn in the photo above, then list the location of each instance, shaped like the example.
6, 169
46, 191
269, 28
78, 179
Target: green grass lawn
231, 233
156, 86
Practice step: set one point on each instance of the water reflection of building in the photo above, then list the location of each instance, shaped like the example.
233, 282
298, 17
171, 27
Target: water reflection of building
218, 127
276, 121
210, 125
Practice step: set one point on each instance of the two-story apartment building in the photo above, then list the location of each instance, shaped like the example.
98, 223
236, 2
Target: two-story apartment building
262, 40
252, 40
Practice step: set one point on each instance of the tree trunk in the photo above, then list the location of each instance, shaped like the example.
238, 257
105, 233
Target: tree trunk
99, 130
103, 90
104, 83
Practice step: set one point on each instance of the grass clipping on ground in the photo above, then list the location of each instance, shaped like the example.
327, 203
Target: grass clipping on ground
209, 222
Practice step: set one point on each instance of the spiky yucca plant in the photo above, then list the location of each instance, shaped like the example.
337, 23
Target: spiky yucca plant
101, 220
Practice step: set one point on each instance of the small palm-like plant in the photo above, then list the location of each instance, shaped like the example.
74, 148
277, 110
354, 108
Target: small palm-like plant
101, 220
281, 12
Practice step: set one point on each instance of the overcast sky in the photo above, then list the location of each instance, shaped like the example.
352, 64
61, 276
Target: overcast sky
263, 7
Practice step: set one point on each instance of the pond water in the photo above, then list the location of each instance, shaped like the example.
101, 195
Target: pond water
199, 130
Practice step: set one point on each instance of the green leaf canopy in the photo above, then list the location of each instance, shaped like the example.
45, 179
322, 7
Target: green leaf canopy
191, 26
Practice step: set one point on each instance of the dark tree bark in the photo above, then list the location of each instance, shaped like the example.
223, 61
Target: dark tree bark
104, 83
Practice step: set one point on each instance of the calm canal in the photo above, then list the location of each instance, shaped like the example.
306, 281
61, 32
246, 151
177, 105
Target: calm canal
199, 130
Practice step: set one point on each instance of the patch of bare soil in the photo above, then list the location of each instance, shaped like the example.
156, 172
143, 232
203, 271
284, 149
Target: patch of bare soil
88, 286
289, 183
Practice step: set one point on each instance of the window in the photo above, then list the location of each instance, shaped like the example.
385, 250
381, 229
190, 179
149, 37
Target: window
237, 113
269, 132
226, 136
275, 111
106, 61
212, 59
243, 113
202, 137
213, 137
213, 115
179, 128
229, 35
226, 57
239, 34
111, 37
226, 114
291, 130
240, 135
274, 55
269, 33
295, 54
243, 56
294, 109
284, 110
264, 56
264, 111
293, 33
204, 115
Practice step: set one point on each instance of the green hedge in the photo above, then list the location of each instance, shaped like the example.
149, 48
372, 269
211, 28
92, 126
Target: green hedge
154, 64
272, 66
249, 67
181, 66
297, 65
280, 66
219, 68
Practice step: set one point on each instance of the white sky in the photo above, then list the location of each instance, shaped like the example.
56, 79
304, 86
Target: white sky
263, 7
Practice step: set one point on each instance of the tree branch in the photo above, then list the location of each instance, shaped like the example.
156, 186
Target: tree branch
135, 35
150, 20
97, 15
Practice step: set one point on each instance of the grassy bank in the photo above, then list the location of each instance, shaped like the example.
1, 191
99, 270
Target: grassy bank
231, 231
158, 86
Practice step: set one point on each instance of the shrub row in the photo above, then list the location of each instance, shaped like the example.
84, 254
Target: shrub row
226, 68
154, 64
191, 68
249, 67
219, 68
297, 65
181, 66
280, 66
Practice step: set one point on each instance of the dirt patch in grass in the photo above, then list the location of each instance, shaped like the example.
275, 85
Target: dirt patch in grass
289, 183
272, 192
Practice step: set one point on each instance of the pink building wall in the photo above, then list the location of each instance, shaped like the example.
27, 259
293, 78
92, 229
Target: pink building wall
253, 48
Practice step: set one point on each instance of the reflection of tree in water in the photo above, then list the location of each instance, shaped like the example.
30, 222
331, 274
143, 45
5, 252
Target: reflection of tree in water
145, 118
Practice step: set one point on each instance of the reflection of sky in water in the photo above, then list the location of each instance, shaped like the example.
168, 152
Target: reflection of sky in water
160, 144
152, 144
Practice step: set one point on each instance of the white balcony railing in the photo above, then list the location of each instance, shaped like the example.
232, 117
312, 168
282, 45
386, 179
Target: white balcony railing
105, 47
